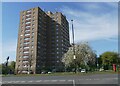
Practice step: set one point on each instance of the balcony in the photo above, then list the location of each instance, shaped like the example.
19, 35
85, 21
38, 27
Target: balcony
25, 50
28, 16
26, 54
26, 40
28, 24
27, 28
26, 45
29, 12
27, 36
28, 20
27, 32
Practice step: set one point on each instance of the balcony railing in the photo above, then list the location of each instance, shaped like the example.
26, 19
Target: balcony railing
25, 50
28, 17
27, 32
27, 24
26, 54
28, 13
28, 20
27, 28
28, 36
26, 45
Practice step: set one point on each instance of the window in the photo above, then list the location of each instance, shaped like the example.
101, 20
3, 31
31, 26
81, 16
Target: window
26, 42
32, 51
58, 61
56, 36
27, 34
32, 42
57, 52
33, 25
32, 46
28, 18
32, 37
25, 52
24, 61
26, 38
20, 56
23, 16
56, 32
56, 28
33, 20
56, 25
32, 28
57, 48
21, 31
25, 56
27, 30
27, 22
27, 26
28, 11
20, 52
32, 33
23, 19
28, 15
56, 40
26, 47
33, 12
20, 48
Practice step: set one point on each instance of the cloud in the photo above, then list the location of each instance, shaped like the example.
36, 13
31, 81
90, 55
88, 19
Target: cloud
89, 25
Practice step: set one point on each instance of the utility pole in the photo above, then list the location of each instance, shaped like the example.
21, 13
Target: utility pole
74, 57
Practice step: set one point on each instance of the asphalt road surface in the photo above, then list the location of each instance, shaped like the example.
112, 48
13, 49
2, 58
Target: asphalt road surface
73, 80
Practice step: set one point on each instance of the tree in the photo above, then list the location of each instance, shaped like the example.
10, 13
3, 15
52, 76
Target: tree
109, 58
85, 56
12, 67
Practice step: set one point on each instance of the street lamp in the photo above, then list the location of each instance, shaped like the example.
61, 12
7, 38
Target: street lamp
7, 64
74, 57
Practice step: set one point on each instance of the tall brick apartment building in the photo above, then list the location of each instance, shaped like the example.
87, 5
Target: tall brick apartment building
43, 38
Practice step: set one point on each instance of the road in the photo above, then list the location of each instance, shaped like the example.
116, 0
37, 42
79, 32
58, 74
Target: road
72, 80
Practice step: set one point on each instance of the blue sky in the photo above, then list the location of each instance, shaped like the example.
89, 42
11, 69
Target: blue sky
94, 22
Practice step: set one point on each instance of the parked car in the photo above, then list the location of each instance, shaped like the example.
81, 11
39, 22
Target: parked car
83, 70
43, 72
101, 69
49, 72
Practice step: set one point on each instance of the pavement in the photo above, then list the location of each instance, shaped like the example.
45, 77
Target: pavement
72, 80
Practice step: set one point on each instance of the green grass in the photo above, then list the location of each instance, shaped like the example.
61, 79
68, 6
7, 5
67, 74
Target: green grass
64, 74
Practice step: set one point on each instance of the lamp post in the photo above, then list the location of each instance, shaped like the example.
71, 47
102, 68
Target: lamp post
74, 57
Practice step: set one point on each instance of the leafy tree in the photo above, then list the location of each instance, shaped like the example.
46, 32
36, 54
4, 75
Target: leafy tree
109, 58
85, 56
9, 69
12, 66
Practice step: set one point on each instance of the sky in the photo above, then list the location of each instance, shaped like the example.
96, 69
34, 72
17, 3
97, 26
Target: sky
94, 22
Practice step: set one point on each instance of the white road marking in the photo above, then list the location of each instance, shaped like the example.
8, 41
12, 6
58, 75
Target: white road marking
46, 80
30, 81
62, 80
38, 81
73, 82
70, 80
22, 81
54, 80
